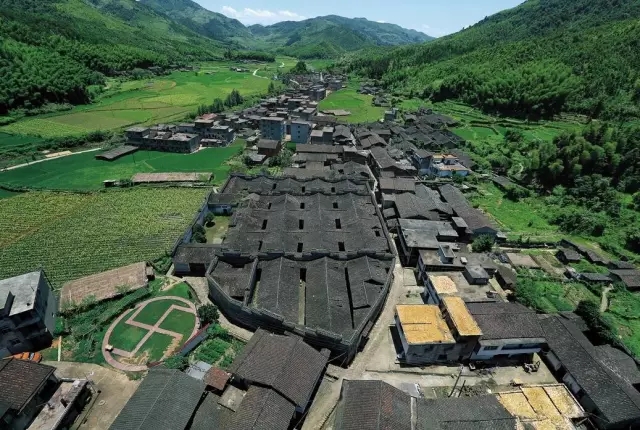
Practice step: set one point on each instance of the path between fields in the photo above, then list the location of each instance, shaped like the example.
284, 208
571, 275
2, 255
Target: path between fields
255, 73
47, 159
604, 301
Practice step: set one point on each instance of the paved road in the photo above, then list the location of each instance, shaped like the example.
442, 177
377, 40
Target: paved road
17, 166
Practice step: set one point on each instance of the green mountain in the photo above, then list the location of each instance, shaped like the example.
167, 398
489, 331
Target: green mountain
535, 60
52, 51
201, 20
330, 36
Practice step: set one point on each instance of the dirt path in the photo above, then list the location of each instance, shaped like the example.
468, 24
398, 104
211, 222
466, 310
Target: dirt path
604, 301
17, 166
255, 73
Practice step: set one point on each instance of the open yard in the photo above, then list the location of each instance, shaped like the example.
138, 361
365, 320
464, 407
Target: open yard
84, 172
358, 104
73, 235
161, 99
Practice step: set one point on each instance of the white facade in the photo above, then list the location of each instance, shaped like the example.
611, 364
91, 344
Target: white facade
489, 349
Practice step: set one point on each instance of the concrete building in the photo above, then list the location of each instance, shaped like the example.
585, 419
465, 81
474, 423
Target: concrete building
300, 131
272, 128
27, 313
424, 335
509, 330
224, 133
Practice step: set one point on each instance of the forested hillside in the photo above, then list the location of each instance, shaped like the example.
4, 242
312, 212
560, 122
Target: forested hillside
201, 20
331, 36
538, 59
52, 51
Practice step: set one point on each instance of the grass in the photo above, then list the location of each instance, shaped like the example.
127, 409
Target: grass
624, 308
550, 296
152, 312
4, 194
180, 290
84, 172
162, 99
73, 235
524, 218
156, 346
179, 322
358, 104
126, 336
585, 267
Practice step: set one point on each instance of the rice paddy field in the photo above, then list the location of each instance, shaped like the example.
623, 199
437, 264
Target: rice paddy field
72, 235
83, 172
161, 99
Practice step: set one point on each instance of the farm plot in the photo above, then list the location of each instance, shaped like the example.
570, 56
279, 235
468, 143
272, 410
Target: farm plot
149, 101
75, 235
84, 172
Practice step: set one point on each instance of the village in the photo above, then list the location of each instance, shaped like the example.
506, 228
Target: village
358, 279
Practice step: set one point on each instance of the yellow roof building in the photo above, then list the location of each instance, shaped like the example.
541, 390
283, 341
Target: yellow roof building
443, 284
462, 319
423, 324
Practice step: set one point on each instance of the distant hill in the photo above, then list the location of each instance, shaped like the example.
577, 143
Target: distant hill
535, 60
330, 36
192, 15
54, 50
327, 36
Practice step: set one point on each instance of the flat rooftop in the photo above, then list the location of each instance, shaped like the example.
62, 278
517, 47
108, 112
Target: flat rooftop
463, 321
443, 284
423, 324
55, 410
23, 288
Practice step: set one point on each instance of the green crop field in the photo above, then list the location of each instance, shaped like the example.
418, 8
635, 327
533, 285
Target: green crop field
162, 99
154, 311
179, 322
84, 172
74, 235
358, 104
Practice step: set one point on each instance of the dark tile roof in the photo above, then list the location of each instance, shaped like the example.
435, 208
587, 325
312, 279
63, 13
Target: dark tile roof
507, 274
318, 148
20, 380
631, 278
268, 144
433, 200
410, 206
621, 265
286, 364
118, 152
398, 184
594, 277
462, 413
211, 415
473, 217
506, 321
372, 405
372, 140
195, 253
262, 409
619, 363
616, 400
570, 254
165, 399
222, 198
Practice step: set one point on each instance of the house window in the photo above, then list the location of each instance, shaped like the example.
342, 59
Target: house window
335, 205
338, 224
490, 348
442, 357
333, 189
264, 224
301, 205
300, 224
341, 246
259, 245
274, 186
300, 246
304, 189
269, 206
377, 233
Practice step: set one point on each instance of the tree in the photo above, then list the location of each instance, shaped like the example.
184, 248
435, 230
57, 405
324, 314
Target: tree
209, 219
300, 68
483, 243
208, 314
198, 234
176, 362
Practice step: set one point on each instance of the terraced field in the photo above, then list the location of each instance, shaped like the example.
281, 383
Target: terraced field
162, 99
73, 235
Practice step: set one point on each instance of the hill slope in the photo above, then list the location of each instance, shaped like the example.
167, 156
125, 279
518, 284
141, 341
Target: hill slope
52, 51
537, 59
201, 20
329, 36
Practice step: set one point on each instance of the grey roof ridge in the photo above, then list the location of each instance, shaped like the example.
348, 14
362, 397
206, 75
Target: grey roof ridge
154, 402
326, 277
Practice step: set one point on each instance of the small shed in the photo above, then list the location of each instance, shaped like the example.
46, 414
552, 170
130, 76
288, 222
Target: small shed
567, 256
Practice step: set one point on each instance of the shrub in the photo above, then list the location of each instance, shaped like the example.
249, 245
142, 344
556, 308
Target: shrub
176, 362
483, 243
208, 314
